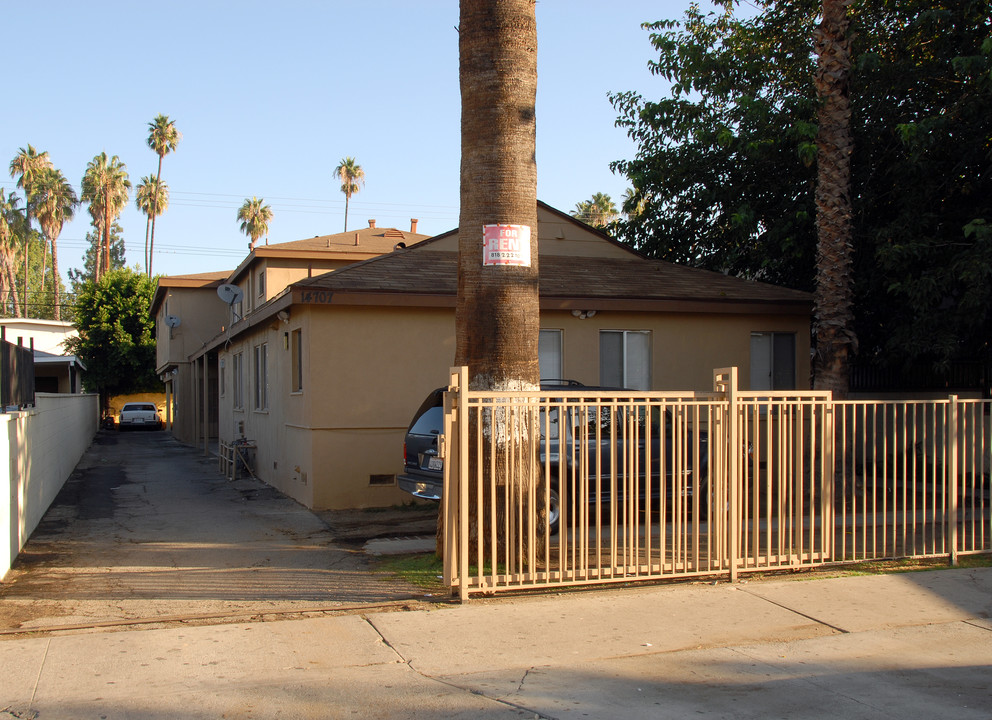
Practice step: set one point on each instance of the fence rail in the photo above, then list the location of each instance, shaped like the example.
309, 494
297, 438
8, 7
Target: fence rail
582, 486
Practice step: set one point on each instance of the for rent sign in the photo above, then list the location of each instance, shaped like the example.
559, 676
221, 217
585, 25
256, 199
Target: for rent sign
506, 245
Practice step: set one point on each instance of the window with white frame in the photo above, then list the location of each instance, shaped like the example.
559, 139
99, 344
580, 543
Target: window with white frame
238, 384
625, 359
296, 346
773, 361
261, 384
549, 354
260, 284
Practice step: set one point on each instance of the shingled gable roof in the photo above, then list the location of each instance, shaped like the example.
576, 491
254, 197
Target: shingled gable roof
354, 246
421, 276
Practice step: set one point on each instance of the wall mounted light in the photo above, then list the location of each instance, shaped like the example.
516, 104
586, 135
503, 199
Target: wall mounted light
583, 314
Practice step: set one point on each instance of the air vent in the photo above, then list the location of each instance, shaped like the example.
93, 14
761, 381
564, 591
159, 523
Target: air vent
394, 233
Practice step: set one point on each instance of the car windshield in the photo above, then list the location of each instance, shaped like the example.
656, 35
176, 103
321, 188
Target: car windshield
137, 406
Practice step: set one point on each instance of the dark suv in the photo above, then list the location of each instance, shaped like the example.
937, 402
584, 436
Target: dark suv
591, 431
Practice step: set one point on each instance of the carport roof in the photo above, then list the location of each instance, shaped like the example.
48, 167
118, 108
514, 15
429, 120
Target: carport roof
429, 277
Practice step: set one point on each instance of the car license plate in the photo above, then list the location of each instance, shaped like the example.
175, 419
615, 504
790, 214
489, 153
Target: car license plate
435, 463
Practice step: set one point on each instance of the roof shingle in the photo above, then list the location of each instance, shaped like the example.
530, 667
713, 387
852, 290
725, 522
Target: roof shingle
435, 273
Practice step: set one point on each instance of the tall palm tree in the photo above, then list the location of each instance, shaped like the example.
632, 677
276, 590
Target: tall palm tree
833, 296
352, 177
163, 138
55, 203
11, 224
106, 183
152, 197
497, 310
254, 216
599, 211
28, 163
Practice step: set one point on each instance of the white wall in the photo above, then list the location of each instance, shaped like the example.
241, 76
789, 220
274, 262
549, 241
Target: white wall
48, 335
39, 449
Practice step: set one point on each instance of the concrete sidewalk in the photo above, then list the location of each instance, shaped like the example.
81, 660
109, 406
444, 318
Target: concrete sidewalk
915, 645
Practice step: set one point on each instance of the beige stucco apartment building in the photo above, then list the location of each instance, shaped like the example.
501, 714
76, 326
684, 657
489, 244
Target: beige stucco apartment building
189, 314
322, 375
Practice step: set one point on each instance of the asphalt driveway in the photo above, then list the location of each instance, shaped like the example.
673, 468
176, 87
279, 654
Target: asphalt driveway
147, 531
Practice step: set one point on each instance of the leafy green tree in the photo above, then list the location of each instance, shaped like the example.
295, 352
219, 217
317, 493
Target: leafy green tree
725, 168
599, 211
95, 239
163, 138
106, 186
352, 178
151, 196
116, 334
55, 204
255, 217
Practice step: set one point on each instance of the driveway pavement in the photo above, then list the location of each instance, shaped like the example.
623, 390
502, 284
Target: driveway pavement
147, 529
156, 589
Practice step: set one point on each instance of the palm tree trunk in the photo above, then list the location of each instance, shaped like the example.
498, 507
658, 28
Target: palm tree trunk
55, 278
151, 246
44, 265
497, 319
11, 273
27, 253
97, 250
5, 302
347, 197
833, 303
148, 224
106, 236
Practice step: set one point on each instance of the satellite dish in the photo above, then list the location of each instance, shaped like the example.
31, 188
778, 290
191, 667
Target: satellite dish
172, 321
230, 293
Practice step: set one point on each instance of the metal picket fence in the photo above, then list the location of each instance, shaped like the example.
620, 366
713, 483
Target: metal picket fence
588, 486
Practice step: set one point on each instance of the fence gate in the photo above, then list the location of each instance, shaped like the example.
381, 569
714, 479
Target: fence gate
586, 486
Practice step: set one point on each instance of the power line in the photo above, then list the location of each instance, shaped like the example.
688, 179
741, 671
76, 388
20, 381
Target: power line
332, 204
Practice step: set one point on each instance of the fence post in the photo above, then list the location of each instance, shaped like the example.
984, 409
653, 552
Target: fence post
733, 472
828, 536
725, 380
952, 470
454, 497
447, 450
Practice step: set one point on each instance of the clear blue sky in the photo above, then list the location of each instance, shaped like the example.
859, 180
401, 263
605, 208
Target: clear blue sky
270, 96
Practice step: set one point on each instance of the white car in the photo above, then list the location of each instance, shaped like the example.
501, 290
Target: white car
139, 415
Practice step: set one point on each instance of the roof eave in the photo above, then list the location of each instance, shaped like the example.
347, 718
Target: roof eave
325, 296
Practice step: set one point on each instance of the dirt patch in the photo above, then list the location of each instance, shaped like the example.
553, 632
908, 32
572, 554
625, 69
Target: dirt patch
360, 526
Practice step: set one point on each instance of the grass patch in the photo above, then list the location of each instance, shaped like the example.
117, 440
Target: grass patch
423, 570
903, 565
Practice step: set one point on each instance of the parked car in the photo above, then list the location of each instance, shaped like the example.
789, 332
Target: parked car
139, 415
591, 432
